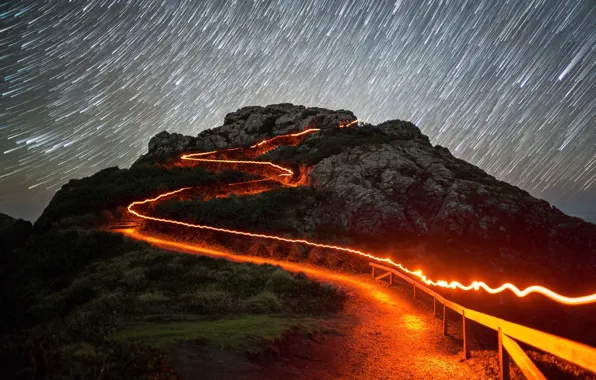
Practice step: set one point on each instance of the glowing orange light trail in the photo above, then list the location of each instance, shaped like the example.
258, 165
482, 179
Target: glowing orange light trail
250, 182
212, 152
476, 285
280, 168
303, 133
348, 125
319, 273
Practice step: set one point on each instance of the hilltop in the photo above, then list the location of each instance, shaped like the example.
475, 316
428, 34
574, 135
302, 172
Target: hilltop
83, 301
386, 188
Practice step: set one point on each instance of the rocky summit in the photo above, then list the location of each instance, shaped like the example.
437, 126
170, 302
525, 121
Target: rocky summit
250, 124
387, 187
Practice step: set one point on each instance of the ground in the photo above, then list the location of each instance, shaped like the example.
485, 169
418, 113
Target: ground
384, 336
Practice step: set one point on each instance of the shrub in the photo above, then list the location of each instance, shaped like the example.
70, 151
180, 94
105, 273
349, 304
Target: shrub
281, 282
153, 297
109, 303
134, 277
328, 288
13, 234
265, 212
69, 289
265, 302
206, 301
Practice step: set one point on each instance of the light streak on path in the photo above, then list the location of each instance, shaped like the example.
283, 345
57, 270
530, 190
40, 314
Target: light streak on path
366, 312
286, 180
320, 273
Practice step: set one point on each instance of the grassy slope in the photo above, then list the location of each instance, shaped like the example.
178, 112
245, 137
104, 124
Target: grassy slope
231, 332
83, 302
76, 298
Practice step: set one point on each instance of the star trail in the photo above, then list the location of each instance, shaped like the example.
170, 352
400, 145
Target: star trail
509, 86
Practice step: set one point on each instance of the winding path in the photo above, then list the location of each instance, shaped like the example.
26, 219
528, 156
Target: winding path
273, 175
384, 335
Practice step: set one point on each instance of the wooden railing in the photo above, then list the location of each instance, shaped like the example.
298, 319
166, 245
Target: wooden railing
507, 333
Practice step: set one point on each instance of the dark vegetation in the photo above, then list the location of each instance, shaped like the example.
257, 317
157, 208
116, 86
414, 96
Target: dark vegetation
327, 143
73, 303
111, 188
153, 160
13, 233
278, 211
284, 211
5, 221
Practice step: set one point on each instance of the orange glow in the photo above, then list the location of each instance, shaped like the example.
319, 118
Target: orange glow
344, 124
413, 323
286, 177
321, 274
303, 133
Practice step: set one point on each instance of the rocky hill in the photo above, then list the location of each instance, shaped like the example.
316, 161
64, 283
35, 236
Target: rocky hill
386, 187
74, 297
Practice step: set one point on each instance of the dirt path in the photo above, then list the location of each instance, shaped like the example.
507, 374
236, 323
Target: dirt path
384, 336
383, 332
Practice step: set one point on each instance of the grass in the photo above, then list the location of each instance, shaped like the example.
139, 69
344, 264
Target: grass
153, 297
225, 333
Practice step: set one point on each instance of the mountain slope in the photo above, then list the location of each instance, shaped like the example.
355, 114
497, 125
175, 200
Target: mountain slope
383, 189
387, 188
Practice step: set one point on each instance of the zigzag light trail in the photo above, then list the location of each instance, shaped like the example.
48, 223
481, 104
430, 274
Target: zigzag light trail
287, 176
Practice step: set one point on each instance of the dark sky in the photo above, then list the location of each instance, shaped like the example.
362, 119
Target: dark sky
509, 86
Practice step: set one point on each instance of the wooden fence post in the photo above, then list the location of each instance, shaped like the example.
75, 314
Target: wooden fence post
373, 272
503, 358
390, 278
466, 334
444, 320
434, 306
414, 290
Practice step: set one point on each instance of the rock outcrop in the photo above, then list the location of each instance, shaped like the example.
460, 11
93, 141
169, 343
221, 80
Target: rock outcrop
389, 183
250, 124
406, 189
165, 142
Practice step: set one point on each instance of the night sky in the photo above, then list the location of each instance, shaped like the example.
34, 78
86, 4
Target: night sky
507, 85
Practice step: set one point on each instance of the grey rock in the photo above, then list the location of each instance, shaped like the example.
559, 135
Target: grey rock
165, 142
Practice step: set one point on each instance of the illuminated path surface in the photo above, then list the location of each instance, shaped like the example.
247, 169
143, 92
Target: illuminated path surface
225, 159
384, 335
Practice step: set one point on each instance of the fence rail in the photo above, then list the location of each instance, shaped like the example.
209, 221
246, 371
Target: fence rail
507, 333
